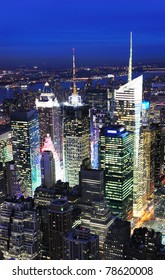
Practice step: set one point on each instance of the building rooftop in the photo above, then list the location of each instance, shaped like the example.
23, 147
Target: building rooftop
114, 131
23, 115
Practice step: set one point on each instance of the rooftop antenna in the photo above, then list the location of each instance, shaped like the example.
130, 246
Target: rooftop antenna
74, 75
130, 60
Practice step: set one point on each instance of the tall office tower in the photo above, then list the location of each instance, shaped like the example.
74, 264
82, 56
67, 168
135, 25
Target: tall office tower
82, 245
47, 169
117, 238
2, 185
19, 229
95, 213
128, 109
149, 135
98, 101
159, 154
116, 159
50, 123
26, 149
6, 151
47, 105
43, 197
59, 225
76, 134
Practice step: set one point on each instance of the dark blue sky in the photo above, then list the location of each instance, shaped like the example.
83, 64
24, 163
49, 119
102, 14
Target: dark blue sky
45, 31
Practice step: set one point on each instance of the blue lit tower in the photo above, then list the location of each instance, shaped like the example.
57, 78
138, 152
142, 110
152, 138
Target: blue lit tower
76, 135
116, 158
26, 149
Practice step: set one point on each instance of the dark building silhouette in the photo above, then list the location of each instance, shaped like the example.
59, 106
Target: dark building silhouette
82, 245
91, 184
150, 239
59, 225
117, 238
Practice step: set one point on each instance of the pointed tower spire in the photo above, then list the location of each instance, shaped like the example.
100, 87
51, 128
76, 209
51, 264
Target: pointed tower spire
130, 60
74, 75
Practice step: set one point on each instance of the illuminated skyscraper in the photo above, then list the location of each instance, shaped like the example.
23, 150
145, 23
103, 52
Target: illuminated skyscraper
50, 123
149, 134
76, 141
26, 150
47, 105
76, 133
2, 184
116, 158
128, 112
6, 151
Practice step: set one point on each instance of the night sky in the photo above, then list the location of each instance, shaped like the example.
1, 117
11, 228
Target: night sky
45, 31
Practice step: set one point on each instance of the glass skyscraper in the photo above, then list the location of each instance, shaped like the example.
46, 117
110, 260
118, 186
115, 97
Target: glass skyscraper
76, 133
50, 123
128, 112
116, 158
26, 150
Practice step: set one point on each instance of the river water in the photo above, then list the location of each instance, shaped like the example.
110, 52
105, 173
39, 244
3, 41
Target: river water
9, 93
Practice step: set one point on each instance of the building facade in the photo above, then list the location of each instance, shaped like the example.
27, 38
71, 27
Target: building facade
26, 150
50, 123
76, 133
82, 245
128, 112
116, 159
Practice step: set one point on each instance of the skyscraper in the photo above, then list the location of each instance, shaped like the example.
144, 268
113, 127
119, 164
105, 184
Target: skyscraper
128, 112
47, 169
2, 184
91, 184
26, 149
76, 135
59, 225
149, 134
50, 123
47, 106
116, 159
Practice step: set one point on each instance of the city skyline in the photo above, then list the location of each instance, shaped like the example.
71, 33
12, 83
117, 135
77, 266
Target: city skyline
35, 33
